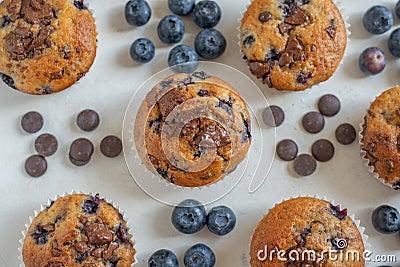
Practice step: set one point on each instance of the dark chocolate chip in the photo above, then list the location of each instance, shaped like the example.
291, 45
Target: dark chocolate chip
329, 105
32, 122
287, 150
297, 17
284, 28
259, 69
273, 116
36, 166
7, 80
81, 150
88, 120
249, 40
313, 122
330, 30
304, 165
265, 16
46, 145
111, 146
323, 150
345, 134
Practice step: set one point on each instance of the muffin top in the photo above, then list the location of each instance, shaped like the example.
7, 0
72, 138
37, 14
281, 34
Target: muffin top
78, 230
183, 118
381, 136
292, 45
45, 45
306, 226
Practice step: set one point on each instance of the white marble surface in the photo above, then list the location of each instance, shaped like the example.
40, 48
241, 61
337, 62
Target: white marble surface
108, 88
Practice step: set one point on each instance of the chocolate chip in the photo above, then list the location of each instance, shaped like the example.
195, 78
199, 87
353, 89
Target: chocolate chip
287, 150
329, 105
330, 30
265, 16
284, 28
345, 134
323, 150
32, 122
98, 233
7, 80
297, 17
36, 166
285, 60
88, 120
259, 69
46, 145
111, 146
249, 40
81, 150
273, 116
304, 165
313, 122
81, 247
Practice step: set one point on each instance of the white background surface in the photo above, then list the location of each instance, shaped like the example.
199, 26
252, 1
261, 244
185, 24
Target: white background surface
108, 88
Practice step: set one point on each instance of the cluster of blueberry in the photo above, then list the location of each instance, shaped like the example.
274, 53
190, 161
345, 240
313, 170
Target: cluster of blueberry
209, 42
378, 20
190, 217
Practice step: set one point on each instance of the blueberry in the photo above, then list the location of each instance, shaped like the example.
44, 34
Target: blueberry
183, 54
221, 220
163, 258
210, 43
142, 50
189, 216
206, 14
378, 19
181, 7
386, 219
170, 29
137, 12
394, 43
372, 61
199, 255
397, 9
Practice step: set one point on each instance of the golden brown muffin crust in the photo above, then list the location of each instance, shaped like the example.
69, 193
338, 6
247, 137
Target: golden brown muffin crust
45, 45
302, 224
292, 46
78, 231
381, 136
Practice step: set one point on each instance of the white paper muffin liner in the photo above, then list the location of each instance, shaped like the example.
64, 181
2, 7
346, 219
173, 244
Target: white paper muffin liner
341, 9
262, 147
365, 159
49, 201
360, 228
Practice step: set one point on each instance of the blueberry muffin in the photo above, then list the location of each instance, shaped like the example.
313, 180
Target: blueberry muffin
293, 44
204, 139
45, 45
308, 227
381, 137
78, 230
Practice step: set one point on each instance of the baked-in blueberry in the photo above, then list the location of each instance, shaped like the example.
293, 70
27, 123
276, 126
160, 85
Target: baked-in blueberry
163, 258
386, 219
206, 14
170, 29
189, 216
221, 220
183, 54
137, 12
378, 19
181, 7
372, 61
142, 50
199, 255
394, 43
79, 4
210, 43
